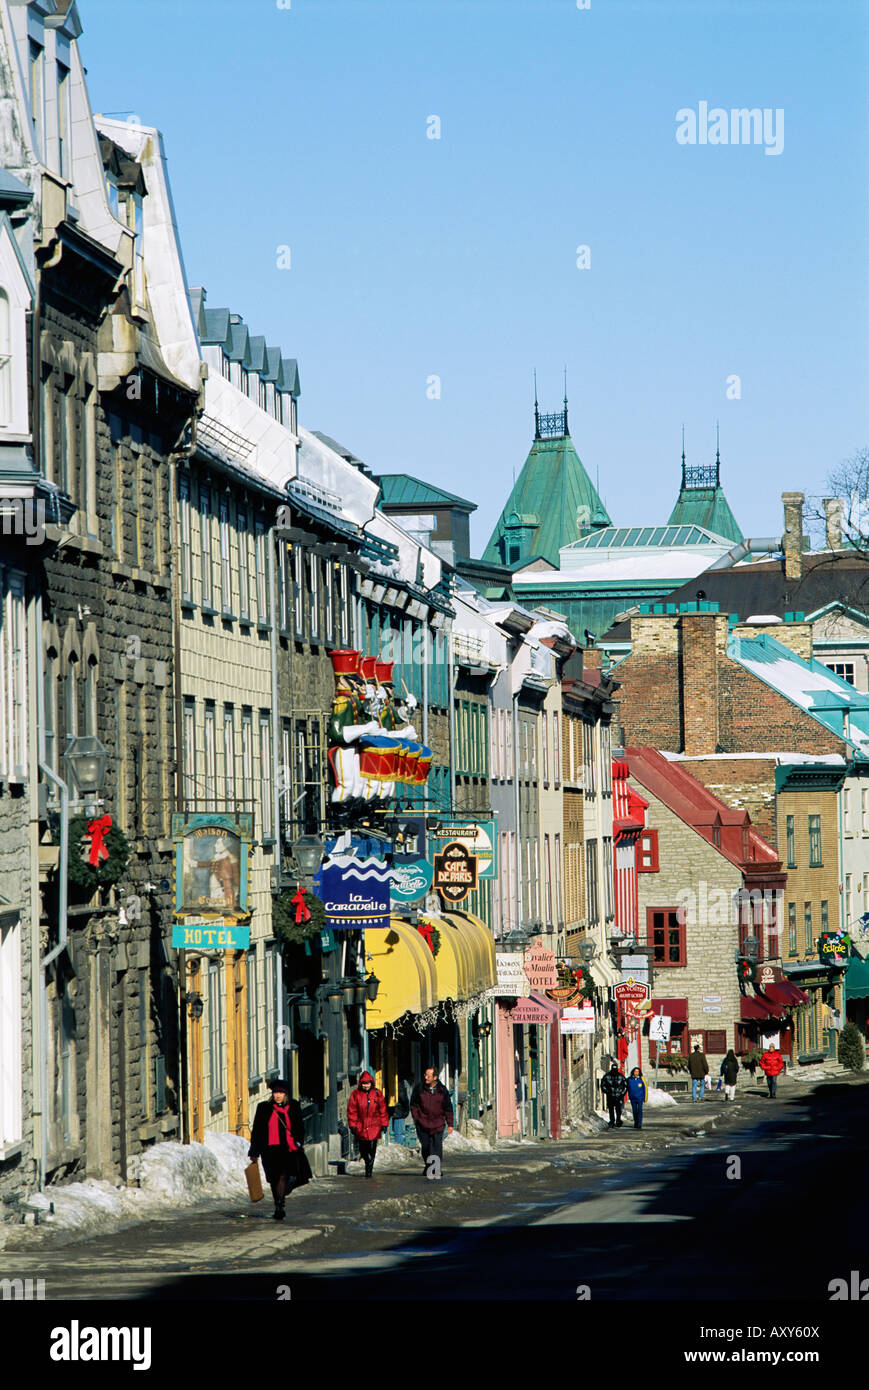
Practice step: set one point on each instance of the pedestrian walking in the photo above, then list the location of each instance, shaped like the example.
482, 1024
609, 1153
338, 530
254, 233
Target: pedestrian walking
277, 1136
401, 1109
771, 1064
367, 1118
614, 1086
637, 1095
730, 1072
699, 1070
432, 1111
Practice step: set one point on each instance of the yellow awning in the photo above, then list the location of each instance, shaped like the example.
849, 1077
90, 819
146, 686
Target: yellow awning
405, 967
453, 962
480, 947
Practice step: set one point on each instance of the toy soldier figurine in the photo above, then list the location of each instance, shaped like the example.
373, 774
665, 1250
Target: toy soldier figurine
347, 725
394, 726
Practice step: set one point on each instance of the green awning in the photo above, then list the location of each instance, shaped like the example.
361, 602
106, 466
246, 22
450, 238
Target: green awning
857, 979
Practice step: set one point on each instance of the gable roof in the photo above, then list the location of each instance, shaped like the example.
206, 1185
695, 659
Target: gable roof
811, 685
700, 809
554, 497
402, 490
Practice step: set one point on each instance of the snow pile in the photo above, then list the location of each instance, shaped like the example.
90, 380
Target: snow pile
390, 1158
476, 1141
658, 1097
170, 1175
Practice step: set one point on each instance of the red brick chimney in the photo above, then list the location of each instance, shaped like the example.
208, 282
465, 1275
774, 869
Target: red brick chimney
703, 646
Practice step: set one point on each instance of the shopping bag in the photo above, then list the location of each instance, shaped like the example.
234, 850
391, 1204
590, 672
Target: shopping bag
254, 1181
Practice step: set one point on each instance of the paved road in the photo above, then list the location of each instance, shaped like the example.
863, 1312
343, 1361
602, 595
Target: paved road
713, 1201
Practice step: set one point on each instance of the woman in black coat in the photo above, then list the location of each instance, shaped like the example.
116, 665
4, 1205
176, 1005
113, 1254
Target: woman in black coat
277, 1136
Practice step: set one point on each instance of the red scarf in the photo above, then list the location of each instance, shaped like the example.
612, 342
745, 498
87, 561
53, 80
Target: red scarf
276, 1125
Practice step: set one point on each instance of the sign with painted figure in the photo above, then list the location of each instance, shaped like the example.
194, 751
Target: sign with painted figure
219, 935
659, 1028
479, 838
511, 977
211, 863
355, 892
541, 967
411, 879
455, 872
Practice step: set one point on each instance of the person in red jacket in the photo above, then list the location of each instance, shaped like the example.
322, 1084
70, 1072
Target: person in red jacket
771, 1063
367, 1118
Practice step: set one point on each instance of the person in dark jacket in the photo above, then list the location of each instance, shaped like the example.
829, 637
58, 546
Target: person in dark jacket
730, 1072
367, 1118
637, 1093
614, 1086
432, 1111
277, 1137
698, 1069
401, 1109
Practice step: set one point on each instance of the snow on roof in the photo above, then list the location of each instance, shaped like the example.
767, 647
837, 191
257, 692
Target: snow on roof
583, 566
808, 684
782, 759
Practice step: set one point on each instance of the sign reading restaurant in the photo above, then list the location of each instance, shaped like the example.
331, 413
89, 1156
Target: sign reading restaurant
478, 837
354, 892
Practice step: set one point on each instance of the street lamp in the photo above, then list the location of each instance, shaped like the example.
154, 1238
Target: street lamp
587, 951
305, 1010
750, 946
87, 759
372, 985
336, 1000
308, 853
348, 989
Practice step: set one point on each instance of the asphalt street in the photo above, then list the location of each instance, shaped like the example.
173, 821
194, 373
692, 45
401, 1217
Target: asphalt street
707, 1202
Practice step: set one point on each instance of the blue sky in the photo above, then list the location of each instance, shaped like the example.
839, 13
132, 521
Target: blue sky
413, 257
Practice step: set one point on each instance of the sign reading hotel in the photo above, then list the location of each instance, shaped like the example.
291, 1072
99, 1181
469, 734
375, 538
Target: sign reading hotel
211, 861
512, 982
541, 967
455, 872
478, 837
355, 892
210, 935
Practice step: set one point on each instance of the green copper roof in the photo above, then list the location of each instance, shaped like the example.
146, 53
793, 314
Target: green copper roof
618, 537
401, 490
706, 506
553, 503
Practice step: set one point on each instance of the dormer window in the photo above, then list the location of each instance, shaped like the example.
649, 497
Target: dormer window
136, 224
64, 161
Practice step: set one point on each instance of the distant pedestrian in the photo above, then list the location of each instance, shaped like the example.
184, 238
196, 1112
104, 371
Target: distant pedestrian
277, 1136
401, 1109
367, 1118
432, 1111
637, 1095
699, 1069
614, 1086
730, 1072
771, 1064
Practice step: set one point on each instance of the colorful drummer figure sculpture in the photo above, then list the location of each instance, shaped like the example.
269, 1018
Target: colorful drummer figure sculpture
348, 724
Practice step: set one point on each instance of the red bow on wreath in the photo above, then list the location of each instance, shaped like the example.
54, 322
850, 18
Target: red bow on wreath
303, 912
97, 831
425, 931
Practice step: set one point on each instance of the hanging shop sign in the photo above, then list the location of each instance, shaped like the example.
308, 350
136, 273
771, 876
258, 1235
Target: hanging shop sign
455, 872
479, 838
766, 975
211, 864
833, 948
410, 879
512, 982
541, 967
631, 989
578, 1020
202, 934
354, 892
408, 838
529, 1011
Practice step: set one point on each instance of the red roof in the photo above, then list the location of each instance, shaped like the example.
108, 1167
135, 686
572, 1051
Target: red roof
694, 804
629, 808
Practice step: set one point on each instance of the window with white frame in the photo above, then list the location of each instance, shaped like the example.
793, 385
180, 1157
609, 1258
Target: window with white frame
559, 904
225, 559
544, 733
205, 545
184, 545
37, 97
588, 777
189, 735
344, 605
272, 985
210, 756
262, 581
49, 706
329, 602
606, 761
314, 595
63, 144
556, 748
10, 1034
229, 751
252, 1019
13, 678
864, 810
846, 810
243, 562
298, 592
265, 752
247, 758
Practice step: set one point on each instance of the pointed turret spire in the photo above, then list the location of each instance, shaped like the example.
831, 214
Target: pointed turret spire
536, 409
683, 455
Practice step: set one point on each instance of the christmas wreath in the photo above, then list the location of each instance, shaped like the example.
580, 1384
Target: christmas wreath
430, 935
297, 915
98, 852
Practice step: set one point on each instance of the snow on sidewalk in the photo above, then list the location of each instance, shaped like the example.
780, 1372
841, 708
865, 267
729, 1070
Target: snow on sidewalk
171, 1175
